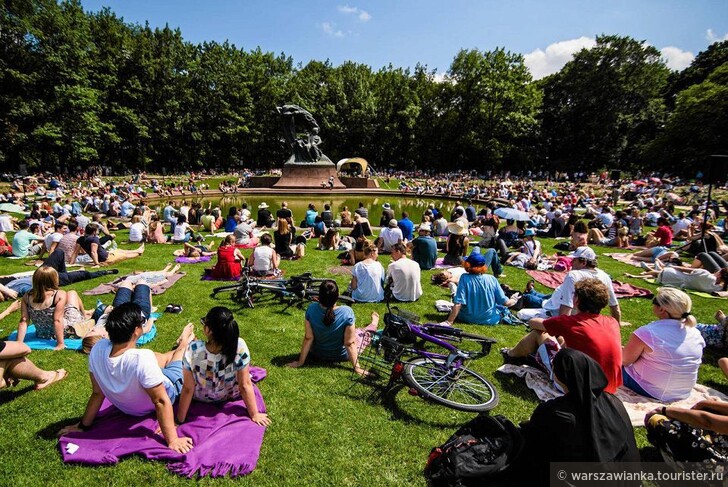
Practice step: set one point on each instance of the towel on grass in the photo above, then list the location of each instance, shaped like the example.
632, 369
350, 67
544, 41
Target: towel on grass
621, 289
35, 343
111, 287
226, 441
440, 264
637, 406
193, 260
625, 258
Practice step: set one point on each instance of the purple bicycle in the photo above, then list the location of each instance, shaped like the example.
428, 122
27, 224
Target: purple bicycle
399, 352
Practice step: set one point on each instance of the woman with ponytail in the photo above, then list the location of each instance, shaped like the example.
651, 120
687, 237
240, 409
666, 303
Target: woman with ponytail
218, 369
662, 358
330, 333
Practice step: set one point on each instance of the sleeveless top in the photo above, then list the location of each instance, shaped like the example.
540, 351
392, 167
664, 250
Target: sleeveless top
44, 321
226, 267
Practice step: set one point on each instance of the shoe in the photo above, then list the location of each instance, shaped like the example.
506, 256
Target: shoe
645, 266
507, 359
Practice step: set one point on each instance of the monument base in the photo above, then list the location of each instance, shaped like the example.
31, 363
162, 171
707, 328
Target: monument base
312, 175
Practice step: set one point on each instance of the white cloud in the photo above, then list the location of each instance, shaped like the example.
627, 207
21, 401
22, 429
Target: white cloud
676, 58
330, 29
363, 15
712, 37
543, 63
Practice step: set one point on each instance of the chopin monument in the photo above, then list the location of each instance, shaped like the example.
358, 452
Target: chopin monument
307, 167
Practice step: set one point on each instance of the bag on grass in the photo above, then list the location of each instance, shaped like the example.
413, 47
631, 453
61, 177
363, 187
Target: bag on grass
479, 451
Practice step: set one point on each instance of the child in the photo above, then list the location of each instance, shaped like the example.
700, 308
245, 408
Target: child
219, 369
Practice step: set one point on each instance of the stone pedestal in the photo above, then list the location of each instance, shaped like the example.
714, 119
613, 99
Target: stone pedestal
308, 175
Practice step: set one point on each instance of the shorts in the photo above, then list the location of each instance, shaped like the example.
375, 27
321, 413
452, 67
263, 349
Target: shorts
84, 259
173, 372
657, 252
36, 249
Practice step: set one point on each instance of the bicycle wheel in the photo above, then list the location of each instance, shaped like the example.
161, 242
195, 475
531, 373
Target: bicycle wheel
230, 287
456, 388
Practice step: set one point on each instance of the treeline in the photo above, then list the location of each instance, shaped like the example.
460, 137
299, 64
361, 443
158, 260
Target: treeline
80, 89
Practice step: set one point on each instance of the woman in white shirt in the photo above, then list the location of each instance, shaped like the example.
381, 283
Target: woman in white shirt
662, 358
137, 230
182, 230
367, 281
264, 260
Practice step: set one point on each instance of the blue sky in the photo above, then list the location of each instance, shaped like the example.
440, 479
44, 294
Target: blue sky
405, 32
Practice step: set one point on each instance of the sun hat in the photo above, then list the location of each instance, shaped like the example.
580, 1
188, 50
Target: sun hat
530, 232
263, 205
425, 227
457, 228
386, 206
393, 223
585, 252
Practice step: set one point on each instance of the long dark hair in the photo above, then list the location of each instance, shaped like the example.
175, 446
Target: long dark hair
225, 331
328, 294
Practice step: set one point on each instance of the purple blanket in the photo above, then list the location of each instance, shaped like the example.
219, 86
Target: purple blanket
226, 441
193, 260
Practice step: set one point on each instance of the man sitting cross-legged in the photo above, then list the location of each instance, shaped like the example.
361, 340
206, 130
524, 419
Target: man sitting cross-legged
586, 330
136, 381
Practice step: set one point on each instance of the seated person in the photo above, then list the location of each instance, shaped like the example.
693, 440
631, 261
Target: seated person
424, 248
586, 424
283, 239
478, 295
264, 260
456, 245
229, 260
330, 333
137, 230
356, 254
586, 330
218, 369
389, 236
367, 277
137, 381
55, 313
329, 241
244, 234
182, 230
362, 228
130, 290
156, 231
403, 275
14, 367
662, 358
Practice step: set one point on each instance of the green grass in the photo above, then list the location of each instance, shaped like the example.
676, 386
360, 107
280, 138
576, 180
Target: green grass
325, 431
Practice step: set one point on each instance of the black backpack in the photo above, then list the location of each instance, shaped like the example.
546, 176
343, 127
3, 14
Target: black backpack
482, 448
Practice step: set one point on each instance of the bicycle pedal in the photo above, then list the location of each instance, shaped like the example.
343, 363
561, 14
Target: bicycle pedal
413, 392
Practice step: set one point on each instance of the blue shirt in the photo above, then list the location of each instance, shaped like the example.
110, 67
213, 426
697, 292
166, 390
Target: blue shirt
168, 214
230, 225
127, 208
328, 341
311, 217
406, 225
479, 294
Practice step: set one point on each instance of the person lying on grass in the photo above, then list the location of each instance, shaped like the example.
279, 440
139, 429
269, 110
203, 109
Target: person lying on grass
14, 367
218, 369
135, 380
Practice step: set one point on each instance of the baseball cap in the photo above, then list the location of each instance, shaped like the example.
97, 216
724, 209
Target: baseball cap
585, 253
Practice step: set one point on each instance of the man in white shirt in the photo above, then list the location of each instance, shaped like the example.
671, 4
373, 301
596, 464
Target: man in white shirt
561, 302
403, 275
131, 378
390, 236
52, 239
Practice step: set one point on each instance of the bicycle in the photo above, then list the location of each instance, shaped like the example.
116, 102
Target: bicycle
295, 290
398, 352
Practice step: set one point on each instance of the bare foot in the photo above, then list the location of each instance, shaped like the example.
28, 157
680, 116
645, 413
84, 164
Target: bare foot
720, 316
52, 377
188, 334
375, 318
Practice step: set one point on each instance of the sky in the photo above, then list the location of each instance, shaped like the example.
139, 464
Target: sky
404, 33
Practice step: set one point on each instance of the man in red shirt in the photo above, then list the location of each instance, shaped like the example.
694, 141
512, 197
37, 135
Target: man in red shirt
586, 330
663, 232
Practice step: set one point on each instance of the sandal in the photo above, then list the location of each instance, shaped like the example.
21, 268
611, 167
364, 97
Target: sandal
173, 308
60, 374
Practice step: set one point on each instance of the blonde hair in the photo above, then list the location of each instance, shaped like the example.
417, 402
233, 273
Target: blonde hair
283, 227
44, 279
677, 304
88, 343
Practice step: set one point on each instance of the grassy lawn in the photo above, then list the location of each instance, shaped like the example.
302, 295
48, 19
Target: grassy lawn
326, 430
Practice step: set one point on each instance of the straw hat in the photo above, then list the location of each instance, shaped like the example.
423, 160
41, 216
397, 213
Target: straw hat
457, 228
263, 206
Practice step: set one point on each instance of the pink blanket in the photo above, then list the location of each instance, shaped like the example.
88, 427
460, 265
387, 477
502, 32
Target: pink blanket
625, 258
226, 441
156, 289
621, 289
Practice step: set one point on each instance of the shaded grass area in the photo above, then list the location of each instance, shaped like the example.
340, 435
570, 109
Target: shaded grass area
327, 429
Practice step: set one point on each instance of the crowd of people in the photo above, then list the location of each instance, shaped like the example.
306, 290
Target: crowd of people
570, 338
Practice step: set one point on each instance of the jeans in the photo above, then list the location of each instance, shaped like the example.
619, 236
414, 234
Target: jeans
141, 296
534, 299
57, 261
633, 385
173, 372
493, 262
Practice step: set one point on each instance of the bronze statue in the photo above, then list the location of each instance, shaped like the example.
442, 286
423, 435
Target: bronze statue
305, 147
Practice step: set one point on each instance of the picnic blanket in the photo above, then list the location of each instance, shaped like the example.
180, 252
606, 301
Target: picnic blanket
192, 260
340, 270
637, 406
226, 441
625, 258
440, 264
36, 343
111, 286
621, 289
